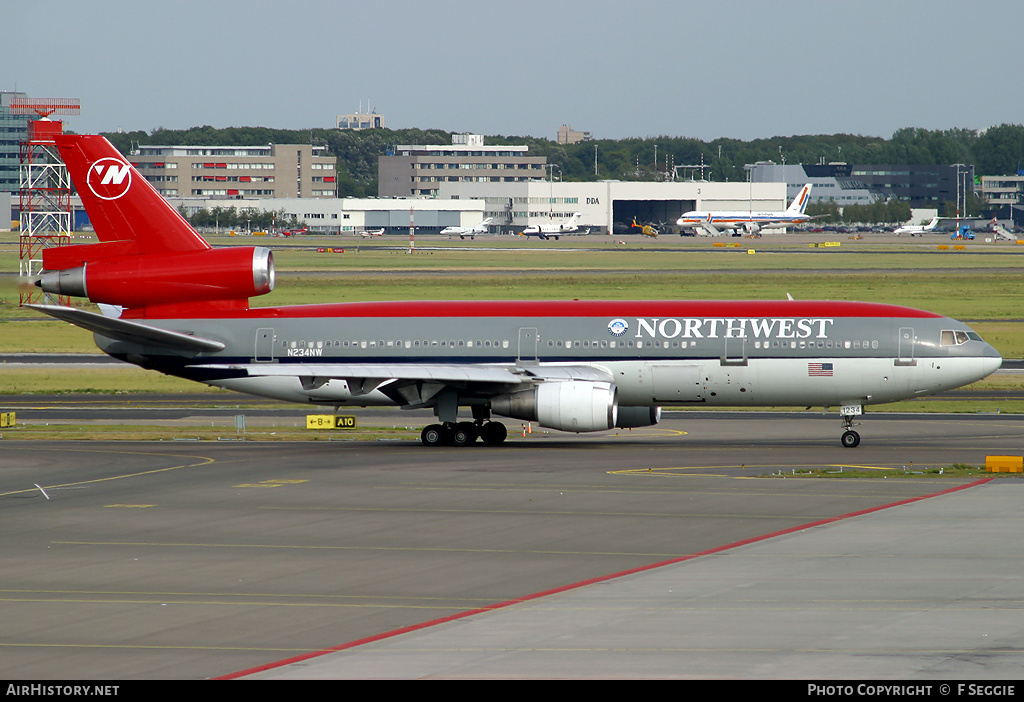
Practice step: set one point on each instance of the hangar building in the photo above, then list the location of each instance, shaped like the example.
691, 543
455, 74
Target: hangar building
610, 206
607, 207
354, 215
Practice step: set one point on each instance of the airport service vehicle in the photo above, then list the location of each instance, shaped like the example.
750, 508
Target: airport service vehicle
553, 231
1000, 231
963, 233
180, 307
471, 232
714, 222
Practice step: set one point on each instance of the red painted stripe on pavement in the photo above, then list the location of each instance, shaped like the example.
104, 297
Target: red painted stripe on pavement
591, 581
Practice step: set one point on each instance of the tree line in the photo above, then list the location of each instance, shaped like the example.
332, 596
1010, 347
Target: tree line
996, 151
240, 219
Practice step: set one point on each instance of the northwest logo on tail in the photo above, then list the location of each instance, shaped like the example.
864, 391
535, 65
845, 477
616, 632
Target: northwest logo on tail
110, 178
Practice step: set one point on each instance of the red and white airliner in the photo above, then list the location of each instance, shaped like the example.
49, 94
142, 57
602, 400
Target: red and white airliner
714, 222
575, 366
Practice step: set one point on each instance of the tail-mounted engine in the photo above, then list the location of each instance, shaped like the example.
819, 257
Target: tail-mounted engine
236, 273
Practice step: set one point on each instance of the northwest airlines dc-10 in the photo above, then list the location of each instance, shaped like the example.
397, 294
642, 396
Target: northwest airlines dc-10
713, 222
569, 365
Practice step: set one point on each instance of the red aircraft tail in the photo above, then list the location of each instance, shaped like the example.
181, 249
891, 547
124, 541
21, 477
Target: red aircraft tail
122, 205
149, 259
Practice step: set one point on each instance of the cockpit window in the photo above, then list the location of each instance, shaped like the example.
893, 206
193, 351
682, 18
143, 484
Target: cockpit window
952, 337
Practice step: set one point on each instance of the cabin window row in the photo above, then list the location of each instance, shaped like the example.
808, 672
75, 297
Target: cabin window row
827, 344
397, 343
819, 344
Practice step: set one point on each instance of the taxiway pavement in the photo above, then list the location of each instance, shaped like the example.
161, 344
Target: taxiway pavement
141, 560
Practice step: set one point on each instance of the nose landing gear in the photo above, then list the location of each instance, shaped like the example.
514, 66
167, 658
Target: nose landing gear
850, 438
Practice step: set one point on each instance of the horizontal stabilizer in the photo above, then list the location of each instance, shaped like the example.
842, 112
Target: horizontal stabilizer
128, 331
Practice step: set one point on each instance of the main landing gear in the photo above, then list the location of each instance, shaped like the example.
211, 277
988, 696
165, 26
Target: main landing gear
463, 433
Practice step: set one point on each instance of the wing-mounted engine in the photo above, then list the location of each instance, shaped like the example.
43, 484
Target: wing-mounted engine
565, 405
630, 417
750, 227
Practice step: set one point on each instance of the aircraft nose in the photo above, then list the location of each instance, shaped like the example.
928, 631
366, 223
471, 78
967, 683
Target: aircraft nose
990, 364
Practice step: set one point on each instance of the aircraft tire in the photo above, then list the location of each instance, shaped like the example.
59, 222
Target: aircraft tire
433, 435
851, 439
494, 433
472, 429
462, 434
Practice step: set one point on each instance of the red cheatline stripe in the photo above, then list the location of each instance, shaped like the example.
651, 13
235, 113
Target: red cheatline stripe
584, 583
783, 309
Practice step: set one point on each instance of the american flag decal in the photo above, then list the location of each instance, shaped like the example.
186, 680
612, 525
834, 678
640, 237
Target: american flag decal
819, 369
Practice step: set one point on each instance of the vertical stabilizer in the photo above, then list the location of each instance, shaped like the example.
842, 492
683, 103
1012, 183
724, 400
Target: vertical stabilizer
799, 203
121, 204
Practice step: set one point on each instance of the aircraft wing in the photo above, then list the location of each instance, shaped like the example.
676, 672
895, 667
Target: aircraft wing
428, 372
416, 385
129, 331
382, 371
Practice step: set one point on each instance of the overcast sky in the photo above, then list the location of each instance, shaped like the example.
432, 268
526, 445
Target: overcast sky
730, 68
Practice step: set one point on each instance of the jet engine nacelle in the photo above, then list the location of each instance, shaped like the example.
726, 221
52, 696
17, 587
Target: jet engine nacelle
136, 281
638, 417
750, 227
569, 406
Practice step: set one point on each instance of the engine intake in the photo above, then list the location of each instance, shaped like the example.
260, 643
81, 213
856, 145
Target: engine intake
568, 406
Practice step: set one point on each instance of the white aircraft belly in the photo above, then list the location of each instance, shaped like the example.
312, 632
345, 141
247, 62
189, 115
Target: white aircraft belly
789, 382
760, 382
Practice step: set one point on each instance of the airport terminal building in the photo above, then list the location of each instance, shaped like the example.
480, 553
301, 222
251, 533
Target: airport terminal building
921, 186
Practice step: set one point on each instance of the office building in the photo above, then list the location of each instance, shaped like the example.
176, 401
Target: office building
420, 170
13, 131
274, 171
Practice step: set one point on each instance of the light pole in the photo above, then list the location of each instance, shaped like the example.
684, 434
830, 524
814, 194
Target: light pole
551, 188
958, 166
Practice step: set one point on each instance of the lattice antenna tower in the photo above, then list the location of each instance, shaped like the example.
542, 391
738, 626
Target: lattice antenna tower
45, 187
